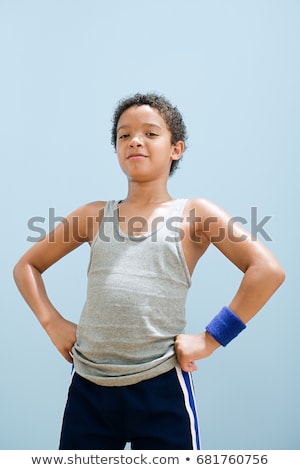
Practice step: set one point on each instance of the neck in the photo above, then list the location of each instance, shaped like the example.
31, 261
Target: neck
146, 193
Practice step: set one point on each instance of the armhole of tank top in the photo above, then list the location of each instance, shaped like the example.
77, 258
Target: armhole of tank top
181, 207
105, 211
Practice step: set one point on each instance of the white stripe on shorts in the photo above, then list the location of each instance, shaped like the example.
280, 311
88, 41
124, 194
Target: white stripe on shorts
187, 387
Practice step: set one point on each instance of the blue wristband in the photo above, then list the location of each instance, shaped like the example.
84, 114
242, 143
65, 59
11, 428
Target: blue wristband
225, 326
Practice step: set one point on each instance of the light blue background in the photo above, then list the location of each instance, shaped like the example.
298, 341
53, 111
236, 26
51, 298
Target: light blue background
232, 68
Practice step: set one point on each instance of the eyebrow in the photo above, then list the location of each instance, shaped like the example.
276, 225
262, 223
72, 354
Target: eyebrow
146, 124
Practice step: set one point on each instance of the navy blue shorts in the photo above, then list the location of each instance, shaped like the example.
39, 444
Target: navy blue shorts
156, 414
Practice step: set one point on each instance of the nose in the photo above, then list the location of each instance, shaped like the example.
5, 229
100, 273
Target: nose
136, 141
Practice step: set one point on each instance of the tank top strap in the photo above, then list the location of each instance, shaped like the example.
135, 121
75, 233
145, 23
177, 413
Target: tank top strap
106, 227
179, 206
109, 208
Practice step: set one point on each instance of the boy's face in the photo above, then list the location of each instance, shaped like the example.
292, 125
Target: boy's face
144, 144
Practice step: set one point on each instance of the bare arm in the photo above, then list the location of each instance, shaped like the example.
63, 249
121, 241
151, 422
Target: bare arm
262, 276
79, 227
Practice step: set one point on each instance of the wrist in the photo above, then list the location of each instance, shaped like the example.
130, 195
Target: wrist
225, 326
211, 342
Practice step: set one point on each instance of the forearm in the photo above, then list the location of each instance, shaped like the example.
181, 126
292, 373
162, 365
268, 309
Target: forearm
257, 286
61, 332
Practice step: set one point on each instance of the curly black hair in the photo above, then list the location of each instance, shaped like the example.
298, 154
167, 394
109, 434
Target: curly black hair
170, 114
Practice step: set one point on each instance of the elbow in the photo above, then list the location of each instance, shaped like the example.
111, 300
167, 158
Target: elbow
17, 270
24, 271
281, 276
276, 274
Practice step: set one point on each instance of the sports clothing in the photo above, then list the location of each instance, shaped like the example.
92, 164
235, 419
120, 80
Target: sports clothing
137, 288
128, 386
157, 414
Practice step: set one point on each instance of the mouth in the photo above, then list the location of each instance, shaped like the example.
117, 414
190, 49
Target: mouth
136, 156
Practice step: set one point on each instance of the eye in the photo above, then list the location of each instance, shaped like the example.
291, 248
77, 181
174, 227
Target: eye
151, 134
123, 136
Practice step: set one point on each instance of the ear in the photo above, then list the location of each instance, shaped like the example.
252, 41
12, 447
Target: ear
177, 150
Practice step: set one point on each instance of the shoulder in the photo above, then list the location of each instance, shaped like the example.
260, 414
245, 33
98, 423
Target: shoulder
91, 208
84, 221
88, 211
207, 218
202, 207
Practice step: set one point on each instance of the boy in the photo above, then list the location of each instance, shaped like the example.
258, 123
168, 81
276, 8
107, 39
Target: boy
131, 357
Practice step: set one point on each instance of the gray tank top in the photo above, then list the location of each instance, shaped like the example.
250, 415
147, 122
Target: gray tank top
136, 294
